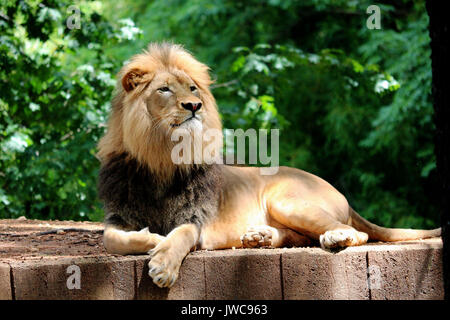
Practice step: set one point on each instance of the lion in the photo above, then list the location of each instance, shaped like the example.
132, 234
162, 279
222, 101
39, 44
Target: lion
153, 205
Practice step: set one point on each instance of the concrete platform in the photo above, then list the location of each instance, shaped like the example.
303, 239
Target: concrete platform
74, 265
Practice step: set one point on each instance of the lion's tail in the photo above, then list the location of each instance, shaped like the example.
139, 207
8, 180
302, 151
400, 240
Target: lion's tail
389, 234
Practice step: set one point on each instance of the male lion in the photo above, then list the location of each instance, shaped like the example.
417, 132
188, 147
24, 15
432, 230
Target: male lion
154, 205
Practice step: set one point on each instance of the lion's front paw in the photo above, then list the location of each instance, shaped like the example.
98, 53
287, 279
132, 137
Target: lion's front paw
163, 267
259, 236
342, 238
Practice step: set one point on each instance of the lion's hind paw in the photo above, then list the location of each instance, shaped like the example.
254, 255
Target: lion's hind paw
341, 238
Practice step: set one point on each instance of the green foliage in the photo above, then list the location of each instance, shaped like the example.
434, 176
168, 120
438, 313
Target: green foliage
353, 104
52, 110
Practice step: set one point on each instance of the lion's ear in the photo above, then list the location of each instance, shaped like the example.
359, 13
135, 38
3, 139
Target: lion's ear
133, 78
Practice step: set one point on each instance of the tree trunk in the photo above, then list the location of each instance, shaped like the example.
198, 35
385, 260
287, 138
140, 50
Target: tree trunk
440, 57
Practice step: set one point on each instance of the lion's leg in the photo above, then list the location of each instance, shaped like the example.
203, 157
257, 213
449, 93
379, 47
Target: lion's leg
168, 255
317, 223
118, 241
267, 236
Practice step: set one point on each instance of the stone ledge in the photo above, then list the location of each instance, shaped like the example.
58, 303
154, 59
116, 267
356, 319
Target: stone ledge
406, 270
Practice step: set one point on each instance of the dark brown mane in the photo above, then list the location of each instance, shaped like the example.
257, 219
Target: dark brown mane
134, 199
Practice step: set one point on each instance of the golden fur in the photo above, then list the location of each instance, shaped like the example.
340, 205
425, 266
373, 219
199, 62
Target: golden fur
290, 208
142, 131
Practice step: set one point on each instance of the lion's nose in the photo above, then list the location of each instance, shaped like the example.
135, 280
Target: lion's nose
192, 106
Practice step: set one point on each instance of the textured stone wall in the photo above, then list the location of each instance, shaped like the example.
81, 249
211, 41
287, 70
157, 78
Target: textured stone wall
377, 271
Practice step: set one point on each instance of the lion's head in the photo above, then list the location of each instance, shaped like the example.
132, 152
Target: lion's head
161, 90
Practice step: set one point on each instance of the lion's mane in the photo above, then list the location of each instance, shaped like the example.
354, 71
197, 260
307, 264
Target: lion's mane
138, 183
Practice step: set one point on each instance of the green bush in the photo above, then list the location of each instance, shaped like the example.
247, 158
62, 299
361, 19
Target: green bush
53, 107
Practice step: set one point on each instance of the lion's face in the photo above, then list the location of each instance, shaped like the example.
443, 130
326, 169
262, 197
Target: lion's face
175, 101
171, 100
160, 91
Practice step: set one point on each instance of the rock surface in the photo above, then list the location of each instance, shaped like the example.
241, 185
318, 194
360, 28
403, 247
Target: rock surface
67, 260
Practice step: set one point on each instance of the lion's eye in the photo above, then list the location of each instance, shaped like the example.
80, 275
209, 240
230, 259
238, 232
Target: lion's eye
193, 88
164, 89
